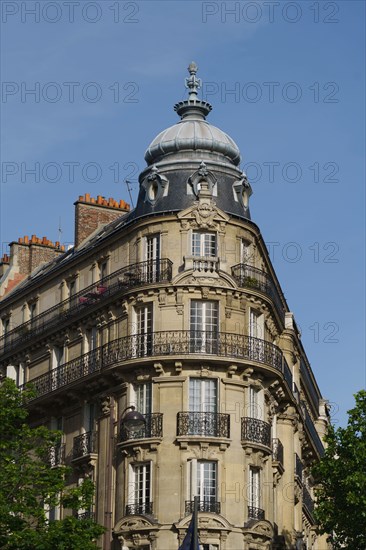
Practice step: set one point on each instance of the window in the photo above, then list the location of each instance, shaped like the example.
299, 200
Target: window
32, 311
204, 244
103, 270
255, 407
57, 357
142, 397
256, 324
144, 328
204, 326
152, 257
203, 479
202, 395
89, 417
139, 498
57, 361
254, 489
246, 253
5, 328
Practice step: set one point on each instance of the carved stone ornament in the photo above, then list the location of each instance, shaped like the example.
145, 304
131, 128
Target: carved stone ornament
105, 405
203, 214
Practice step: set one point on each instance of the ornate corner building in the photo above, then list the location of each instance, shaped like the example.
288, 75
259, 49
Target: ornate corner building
173, 307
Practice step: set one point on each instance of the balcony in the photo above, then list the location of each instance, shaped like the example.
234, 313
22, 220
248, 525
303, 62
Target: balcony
117, 283
255, 431
56, 455
159, 344
153, 428
298, 468
252, 278
86, 516
207, 505
277, 451
202, 264
205, 424
139, 509
255, 513
313, 434
309, 385
307, 502
84, 445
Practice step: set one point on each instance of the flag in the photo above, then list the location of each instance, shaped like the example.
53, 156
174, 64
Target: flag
189, 542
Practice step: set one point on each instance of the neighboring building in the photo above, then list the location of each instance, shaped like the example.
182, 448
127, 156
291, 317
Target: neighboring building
175, 308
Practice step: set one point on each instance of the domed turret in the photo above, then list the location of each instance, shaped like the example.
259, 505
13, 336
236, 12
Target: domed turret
193, 132
187, 154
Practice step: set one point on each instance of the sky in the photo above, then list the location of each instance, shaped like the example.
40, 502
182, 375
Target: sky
86, 86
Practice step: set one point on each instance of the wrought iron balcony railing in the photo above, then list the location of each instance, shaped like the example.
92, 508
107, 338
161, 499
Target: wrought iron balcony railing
277, 450
314, 436
207, 424
139, 509
252, 278
85, 515
298, 467
56, 455
206, 505
307, 500
153, 428
309, 385
255, 513
255, 431
116, 283
84, 444
155, 344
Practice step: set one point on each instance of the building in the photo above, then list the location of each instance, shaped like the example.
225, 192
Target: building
173, 308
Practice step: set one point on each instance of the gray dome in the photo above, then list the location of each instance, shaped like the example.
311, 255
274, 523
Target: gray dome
193, 132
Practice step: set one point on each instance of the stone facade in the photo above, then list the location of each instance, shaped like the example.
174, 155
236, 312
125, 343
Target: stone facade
179, 313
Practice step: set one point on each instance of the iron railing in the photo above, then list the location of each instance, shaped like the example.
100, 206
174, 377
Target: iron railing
298, 467
247, 276
208, 424
314, 436
118, 282
56, 455
309, 385
255, 431
84, 444
287, 374
153, 428
85, 515
206, 505
277, 450
167, 343
139, 509
255, 513
307, 500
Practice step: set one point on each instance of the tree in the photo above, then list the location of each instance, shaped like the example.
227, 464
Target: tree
29, 485
340, 477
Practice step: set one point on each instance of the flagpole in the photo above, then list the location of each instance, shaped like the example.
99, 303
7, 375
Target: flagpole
195, 524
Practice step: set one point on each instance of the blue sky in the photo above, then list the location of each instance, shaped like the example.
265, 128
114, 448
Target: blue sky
106, 76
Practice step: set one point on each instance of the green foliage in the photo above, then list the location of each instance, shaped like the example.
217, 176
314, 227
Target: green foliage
341, 481
29, 484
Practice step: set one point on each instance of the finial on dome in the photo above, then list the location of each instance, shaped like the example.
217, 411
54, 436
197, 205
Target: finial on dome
192, 83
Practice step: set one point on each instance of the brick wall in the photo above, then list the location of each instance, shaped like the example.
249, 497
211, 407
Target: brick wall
92, 213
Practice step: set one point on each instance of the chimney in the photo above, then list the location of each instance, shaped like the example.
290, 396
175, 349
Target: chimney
25, 255
91, 213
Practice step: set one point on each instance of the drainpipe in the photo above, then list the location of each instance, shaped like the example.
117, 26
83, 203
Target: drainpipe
108, 492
